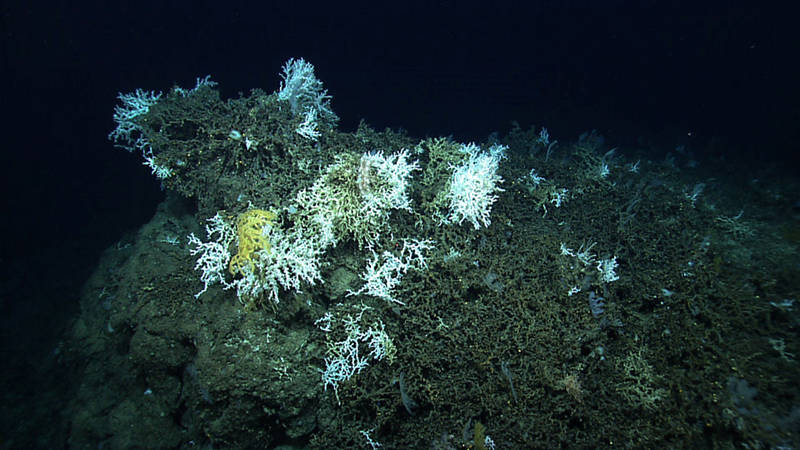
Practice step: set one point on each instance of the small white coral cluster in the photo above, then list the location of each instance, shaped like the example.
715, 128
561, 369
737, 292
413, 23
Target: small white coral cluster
132, 106
128, 133
385, 271
395, 172
213, 256
306, 97
349, 356
474, 184
606, 268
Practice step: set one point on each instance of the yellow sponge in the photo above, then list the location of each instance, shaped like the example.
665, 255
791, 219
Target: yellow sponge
249, 228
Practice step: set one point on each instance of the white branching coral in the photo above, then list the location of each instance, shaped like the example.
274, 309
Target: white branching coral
213, 256
132, 106
607, 268
383, 181
306, 97
347, 356
384, 271
357, 194
474, 185
291, 260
